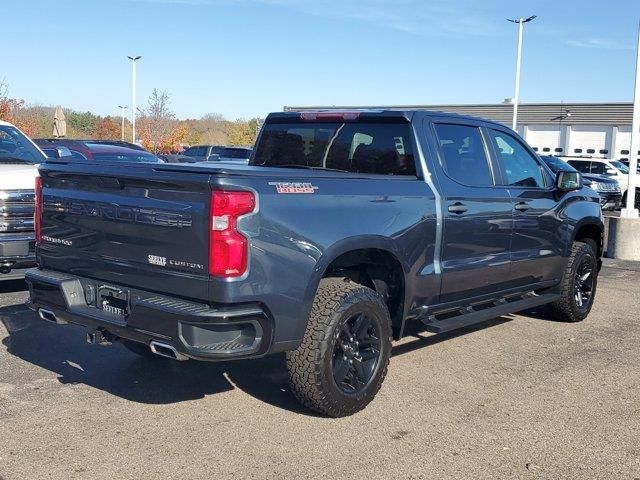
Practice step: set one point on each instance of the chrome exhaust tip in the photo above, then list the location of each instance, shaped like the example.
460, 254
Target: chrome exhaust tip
166, 350
49, 316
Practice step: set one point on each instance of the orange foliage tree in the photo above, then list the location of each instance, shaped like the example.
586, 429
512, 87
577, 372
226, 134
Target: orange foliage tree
10, 109
107, 129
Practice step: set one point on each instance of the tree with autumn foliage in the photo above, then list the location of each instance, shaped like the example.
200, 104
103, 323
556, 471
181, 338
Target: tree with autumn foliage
107, 129
159, 130
11, 111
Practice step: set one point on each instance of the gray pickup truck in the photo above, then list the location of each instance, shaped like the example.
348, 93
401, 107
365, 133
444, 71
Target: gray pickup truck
344, 228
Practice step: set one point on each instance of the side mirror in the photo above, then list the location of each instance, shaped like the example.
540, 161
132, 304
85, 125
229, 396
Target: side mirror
213, 157
611, 171
568, 181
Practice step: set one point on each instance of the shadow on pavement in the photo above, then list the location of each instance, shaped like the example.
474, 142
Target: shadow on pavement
12, 286
154, 380
114, 369
417, 330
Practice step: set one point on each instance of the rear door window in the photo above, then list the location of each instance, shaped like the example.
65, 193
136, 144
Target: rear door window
358, 147
464, 154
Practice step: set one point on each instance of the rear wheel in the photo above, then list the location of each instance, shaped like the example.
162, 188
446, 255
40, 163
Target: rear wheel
578, 288
343, 359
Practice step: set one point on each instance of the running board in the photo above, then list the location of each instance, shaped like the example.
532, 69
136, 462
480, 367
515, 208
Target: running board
471, 315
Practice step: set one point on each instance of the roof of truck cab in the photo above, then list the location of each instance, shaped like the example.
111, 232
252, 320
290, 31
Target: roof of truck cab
406, 113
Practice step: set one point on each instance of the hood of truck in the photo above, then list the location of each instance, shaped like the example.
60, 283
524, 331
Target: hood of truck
18, 176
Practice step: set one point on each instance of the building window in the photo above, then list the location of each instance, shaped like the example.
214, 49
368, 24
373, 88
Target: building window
624, 152
604, 151
577, 150
558, 150
546, 149
591, 150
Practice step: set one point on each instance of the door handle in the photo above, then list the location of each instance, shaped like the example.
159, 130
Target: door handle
522, 206
458, 208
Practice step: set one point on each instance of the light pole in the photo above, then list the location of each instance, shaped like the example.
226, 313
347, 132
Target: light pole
133, 94
630, 210
516, 95
122, 109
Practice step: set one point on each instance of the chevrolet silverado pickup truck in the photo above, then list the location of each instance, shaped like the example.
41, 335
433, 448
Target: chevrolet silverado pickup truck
345, 227
19, 157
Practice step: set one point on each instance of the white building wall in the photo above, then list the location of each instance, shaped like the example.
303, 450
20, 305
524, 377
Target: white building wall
622, 142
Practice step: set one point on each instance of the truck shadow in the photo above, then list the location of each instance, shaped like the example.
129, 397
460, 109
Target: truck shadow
63, 351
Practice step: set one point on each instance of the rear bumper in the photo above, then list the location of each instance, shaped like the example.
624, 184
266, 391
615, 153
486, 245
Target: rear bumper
195, 330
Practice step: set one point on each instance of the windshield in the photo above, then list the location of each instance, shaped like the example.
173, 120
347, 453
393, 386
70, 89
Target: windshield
360, 147
125, 157
109, 153
16, 148
620, 166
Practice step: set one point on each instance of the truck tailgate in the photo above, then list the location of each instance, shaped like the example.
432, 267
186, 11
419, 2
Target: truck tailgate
135, 226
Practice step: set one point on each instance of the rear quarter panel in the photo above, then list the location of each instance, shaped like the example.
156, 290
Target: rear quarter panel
294, 237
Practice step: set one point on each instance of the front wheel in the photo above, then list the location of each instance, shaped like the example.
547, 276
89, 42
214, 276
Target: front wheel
343, 358
579, 282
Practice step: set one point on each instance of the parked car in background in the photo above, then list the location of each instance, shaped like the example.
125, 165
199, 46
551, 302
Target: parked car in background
607, 188
216, 152
77, 149
344, 228
614, 169
100, 150
19, 159
177, 158
626, 162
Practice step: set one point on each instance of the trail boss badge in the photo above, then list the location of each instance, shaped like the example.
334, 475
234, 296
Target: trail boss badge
294, 187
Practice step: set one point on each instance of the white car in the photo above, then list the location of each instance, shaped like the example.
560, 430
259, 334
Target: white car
19, 159
601, 166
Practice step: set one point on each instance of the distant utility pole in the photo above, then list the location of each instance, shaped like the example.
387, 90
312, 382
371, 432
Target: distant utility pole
630, 210
133, 59
122, 109
516, 95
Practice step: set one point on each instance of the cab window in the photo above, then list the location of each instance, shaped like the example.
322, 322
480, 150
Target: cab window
463, 154
520, 167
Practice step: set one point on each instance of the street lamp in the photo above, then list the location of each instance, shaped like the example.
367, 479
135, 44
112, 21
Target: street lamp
516, 95
133, 94
630, 210
122, 109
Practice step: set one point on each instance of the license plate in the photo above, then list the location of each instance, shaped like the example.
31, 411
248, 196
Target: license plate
114, 301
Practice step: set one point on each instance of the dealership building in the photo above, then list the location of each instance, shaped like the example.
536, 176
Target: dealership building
565, 129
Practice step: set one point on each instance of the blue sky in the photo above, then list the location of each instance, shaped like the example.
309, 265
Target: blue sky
244, 58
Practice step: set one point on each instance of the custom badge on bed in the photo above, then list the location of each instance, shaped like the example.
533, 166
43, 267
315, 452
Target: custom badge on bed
294, 187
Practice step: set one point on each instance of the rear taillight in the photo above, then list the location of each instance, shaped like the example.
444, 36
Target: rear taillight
37, 213
228, 248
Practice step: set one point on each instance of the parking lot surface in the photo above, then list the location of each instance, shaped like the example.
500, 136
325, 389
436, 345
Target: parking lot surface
517, 397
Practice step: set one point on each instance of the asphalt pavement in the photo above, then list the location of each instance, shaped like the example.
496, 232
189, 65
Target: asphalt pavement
520, 396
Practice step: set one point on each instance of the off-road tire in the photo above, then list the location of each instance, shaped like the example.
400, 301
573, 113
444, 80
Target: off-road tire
565, 308
310, 366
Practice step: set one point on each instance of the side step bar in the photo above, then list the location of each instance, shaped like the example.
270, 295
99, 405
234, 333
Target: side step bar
469, 316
